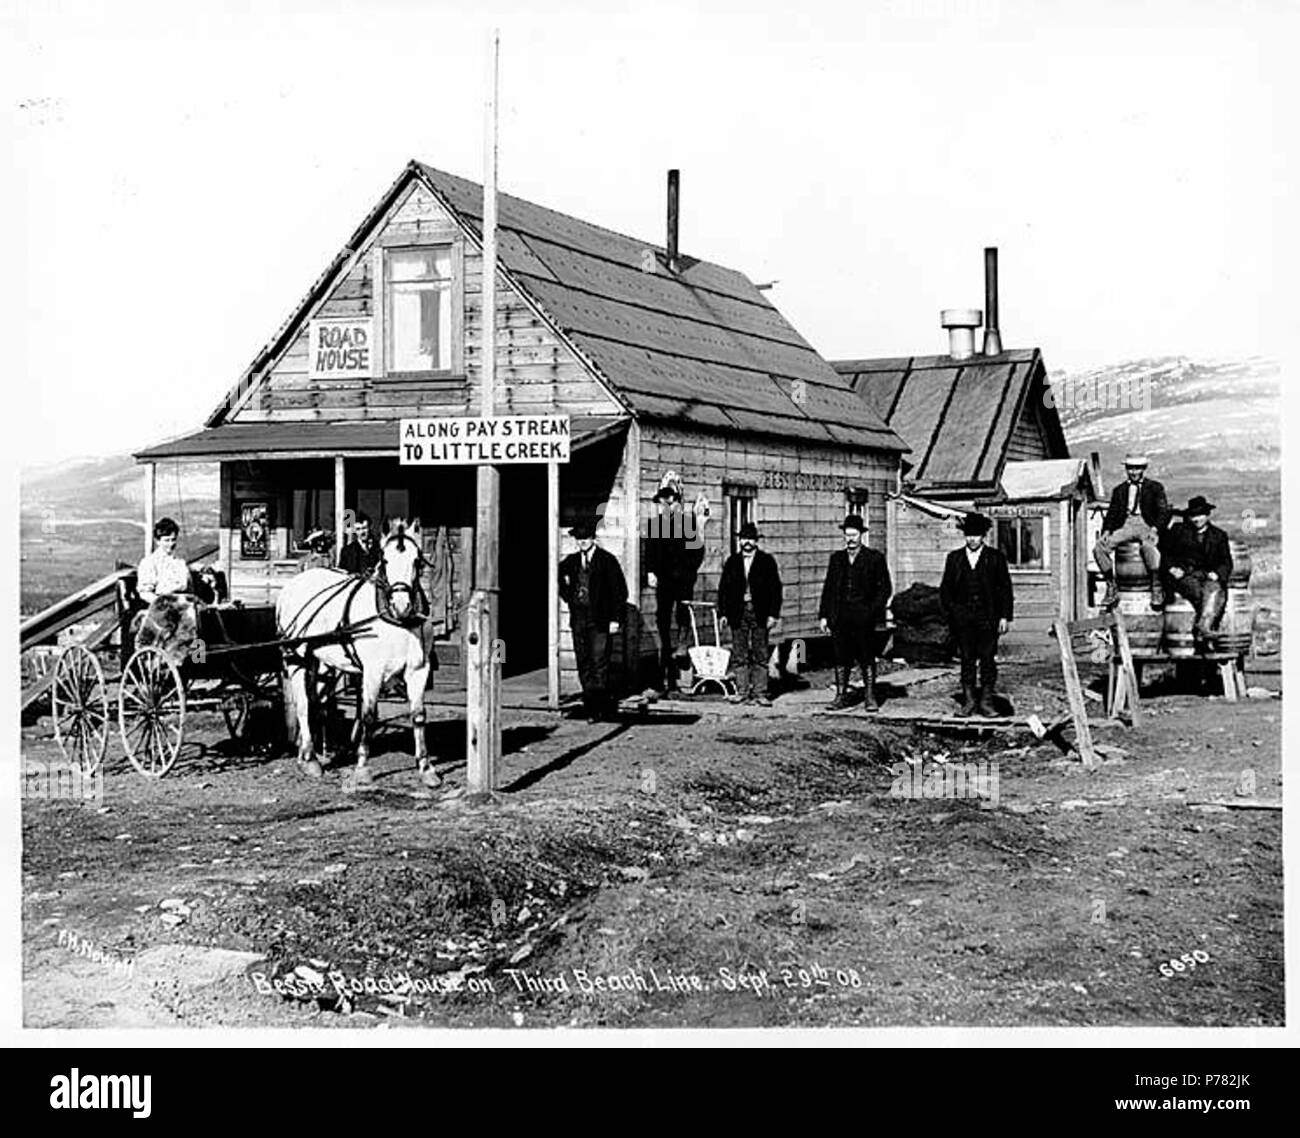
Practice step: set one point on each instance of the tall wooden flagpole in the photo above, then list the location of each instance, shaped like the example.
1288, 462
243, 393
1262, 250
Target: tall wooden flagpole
483, 663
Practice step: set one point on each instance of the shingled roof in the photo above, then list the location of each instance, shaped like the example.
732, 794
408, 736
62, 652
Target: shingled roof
956, 416
701, 345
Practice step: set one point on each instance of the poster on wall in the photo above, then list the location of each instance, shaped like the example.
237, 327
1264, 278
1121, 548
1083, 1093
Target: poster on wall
253, 530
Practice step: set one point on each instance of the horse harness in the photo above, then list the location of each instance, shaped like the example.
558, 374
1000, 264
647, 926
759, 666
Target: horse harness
346, 627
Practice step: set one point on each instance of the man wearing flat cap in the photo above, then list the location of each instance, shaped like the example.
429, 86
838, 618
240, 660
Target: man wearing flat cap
749, 598
1198, 564
1138, 511
593, 586
976, 597
674, 551
855, 595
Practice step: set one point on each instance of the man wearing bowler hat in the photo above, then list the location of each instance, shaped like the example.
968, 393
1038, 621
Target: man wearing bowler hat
1138, 511
749, 596
1198, 564
977, 599
593, 586
674, 551
854, 598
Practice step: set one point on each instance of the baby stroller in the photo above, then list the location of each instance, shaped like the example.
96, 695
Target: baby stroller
710, 663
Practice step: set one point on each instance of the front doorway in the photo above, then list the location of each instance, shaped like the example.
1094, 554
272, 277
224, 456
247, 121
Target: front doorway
523, 569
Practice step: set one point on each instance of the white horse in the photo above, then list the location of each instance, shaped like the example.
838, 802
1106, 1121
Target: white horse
385, 613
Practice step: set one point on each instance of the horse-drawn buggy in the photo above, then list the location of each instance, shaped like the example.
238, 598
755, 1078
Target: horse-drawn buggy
180, 655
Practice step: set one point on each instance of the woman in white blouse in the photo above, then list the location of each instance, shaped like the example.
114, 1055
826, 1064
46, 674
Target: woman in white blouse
162, 572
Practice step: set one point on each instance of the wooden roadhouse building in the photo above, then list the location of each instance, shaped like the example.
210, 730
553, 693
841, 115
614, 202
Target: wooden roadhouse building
664, 364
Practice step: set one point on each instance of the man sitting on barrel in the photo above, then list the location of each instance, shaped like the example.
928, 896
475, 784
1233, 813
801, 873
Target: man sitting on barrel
1198, 564
1138, 511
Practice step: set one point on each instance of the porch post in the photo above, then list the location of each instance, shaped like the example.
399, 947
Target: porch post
338, 507
150, 504
553, 586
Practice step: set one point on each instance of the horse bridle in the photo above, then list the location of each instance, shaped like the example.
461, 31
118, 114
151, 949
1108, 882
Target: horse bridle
385, 589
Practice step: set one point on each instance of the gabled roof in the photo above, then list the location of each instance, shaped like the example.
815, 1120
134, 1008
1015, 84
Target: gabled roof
957, 416
700, 345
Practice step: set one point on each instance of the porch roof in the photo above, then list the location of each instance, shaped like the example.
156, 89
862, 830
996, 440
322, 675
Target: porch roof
371, 439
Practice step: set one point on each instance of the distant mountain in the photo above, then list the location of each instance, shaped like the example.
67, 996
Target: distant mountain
77, 519
1209, 427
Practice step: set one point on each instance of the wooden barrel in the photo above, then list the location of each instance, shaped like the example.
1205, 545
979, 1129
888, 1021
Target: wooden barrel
1242, 564
1144, 626
1236, 629
1130, 570
1180, 619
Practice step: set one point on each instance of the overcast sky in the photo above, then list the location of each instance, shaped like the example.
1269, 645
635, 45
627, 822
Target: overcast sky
184, 172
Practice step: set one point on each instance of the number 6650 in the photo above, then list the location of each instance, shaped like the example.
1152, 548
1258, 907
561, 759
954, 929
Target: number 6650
1184, 962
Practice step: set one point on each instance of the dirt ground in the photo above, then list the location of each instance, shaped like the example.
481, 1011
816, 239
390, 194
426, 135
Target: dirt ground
683, 869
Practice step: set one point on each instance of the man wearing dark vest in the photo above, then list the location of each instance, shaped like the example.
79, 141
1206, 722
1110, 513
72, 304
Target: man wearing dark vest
593, 586
1138, 510
674, 550
854, 598
977, 599
749, 596
1198, 564
361, 554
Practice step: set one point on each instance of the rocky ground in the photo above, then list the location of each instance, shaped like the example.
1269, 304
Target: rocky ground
689, 868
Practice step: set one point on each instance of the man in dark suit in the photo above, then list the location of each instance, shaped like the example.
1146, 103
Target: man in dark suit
749, 596
1138, 511
977, 599
674, 551
593, 586
1198, 564
854, 598
361, 554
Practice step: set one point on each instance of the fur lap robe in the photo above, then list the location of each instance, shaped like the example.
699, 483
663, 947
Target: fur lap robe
171, 624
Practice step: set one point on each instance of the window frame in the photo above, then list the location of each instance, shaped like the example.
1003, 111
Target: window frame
745, 496
1044, 564
383, 318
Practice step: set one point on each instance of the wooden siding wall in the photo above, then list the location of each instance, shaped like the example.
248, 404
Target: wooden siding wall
798, 524
922, 543
1028, 440
536, 372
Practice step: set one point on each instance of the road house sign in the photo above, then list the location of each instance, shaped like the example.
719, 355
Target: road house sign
340, 347
499, 440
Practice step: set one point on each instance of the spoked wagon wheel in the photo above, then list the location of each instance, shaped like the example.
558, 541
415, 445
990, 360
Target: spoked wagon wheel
151, 712
79, 704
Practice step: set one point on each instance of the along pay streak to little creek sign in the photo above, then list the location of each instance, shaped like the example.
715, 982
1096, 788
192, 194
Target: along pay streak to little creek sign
494, 440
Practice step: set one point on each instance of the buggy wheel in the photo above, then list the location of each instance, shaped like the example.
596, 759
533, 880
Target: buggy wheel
79, 705
151, 712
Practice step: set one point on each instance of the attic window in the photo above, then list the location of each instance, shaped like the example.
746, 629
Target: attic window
419, 298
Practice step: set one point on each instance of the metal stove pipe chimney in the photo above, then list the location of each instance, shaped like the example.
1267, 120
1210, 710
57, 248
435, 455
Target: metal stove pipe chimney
992, 333
674, 191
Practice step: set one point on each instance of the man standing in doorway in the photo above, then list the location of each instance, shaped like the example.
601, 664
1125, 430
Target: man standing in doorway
361, 554
1199, 564
854, 598
672, 558
749, 596
1138, 511
977, 599
593, 586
